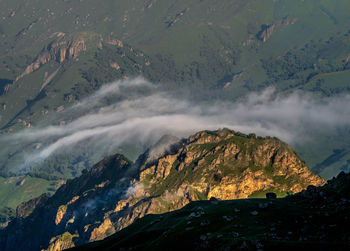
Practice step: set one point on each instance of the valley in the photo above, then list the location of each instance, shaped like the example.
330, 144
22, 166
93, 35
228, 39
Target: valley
83, 81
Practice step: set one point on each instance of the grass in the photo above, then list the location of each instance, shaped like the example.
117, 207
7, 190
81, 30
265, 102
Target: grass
262, 194
210, 39
13, 191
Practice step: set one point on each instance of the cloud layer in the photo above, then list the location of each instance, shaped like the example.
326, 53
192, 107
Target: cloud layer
133, 111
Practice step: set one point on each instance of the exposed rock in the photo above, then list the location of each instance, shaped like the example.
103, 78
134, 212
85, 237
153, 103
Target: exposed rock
223, 164
60, 214
115, 42
115, 65
22, 182
291, 224
61, 242
267, 30
61, 211
60, 108
104, 230
62, 49
197, 168
24, 209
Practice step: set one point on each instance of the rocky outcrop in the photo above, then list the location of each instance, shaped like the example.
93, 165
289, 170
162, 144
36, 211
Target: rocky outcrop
267, 30
102, 231
115, 42
26, 208
115, 65
61, 242
223, 164
60, 214
61, 49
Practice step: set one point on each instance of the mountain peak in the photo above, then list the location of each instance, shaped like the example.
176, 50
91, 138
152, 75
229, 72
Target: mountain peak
223, 164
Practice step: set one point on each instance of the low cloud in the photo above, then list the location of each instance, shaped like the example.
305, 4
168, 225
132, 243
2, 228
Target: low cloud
133, 111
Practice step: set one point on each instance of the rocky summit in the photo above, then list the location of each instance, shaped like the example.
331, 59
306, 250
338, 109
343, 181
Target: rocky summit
216, 165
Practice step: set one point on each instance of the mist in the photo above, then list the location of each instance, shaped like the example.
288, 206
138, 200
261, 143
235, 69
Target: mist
136, 112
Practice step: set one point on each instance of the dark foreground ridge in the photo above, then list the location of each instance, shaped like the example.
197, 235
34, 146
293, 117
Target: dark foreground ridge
315, 219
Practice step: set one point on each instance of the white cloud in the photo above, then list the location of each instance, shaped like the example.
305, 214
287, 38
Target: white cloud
121, 113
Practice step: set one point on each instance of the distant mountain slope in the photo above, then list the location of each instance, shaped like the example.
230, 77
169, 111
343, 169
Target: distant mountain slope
51, 50
55, 53
114, 193
315, 219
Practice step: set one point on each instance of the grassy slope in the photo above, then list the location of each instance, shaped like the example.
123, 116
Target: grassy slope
209, 25
16, 190
206, 27
12, 192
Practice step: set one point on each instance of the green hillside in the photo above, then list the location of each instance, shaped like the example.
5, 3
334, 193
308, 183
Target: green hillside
199, 45
55, 53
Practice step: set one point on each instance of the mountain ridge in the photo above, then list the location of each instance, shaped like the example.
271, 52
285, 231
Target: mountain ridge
214, 49
116, 192
55, 54
314, 219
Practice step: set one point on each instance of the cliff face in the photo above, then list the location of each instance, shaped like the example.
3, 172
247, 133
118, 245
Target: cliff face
315, 219
63, 48
222, 164
113, 194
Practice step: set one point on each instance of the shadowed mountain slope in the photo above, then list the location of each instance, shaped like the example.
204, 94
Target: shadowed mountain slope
315, 219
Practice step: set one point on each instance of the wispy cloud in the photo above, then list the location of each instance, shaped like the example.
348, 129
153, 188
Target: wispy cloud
133, 111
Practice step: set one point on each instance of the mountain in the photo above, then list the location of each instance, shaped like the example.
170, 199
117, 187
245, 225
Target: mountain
54, 54
315, 219
219, 164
